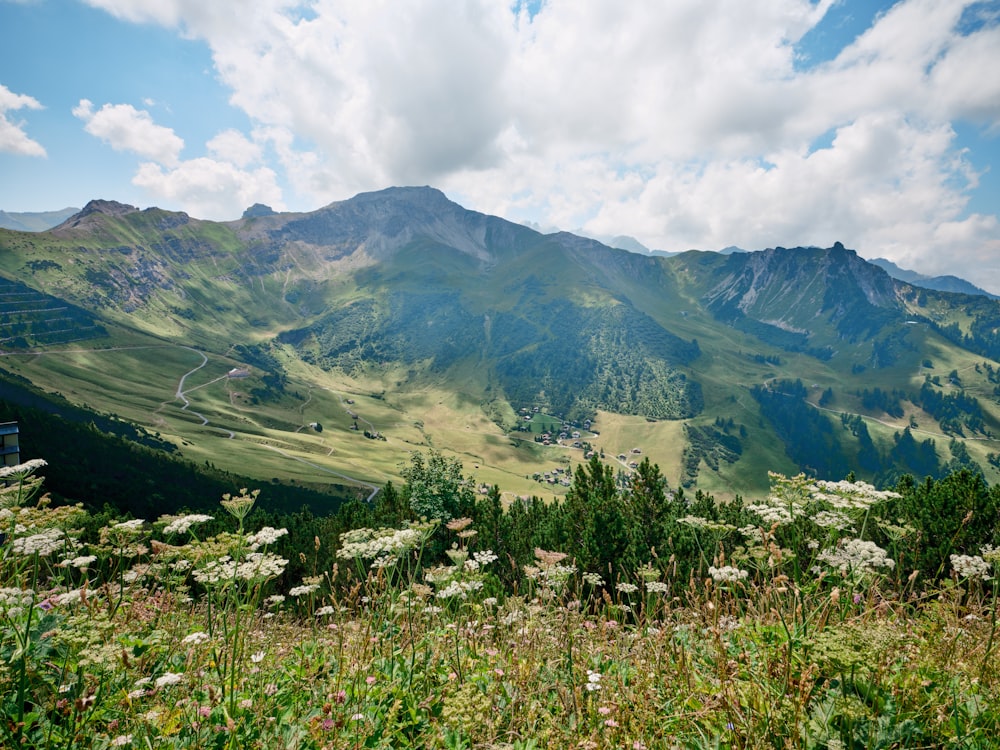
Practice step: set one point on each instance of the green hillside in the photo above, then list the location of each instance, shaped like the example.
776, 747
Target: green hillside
402, 316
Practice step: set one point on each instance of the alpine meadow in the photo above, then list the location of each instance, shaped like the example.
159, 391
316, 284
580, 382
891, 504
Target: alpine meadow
485, 487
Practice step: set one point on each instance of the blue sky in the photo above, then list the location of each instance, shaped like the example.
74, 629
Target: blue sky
688, 124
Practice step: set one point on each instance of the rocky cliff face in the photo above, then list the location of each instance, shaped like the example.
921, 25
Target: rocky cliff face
800, 289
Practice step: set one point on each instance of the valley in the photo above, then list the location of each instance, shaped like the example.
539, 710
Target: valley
328, 347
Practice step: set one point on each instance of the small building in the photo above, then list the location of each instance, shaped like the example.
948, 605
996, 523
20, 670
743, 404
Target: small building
238, 372
10, 451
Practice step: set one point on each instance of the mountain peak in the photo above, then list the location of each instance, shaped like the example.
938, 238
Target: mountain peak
257, 210
109, 208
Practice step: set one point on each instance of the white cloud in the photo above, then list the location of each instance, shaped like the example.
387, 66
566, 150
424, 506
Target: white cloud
126, 128
233, 146
686, 124
210, 189
13, 139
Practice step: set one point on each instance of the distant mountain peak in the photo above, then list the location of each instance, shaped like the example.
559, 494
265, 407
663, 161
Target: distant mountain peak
95, 208
944, 283
34, 221
257, 210
109, 208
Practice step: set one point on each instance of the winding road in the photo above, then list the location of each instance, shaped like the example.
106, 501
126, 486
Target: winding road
180, 394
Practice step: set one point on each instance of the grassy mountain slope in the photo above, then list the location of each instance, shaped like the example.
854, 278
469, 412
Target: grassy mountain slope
446, 323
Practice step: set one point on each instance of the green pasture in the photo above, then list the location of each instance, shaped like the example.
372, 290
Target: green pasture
271, 438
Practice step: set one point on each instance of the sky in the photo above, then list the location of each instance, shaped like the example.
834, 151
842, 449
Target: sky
684, 124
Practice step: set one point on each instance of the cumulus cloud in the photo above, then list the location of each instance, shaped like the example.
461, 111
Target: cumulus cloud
13, 139
210, 188
233, 146
125, 128
693, 123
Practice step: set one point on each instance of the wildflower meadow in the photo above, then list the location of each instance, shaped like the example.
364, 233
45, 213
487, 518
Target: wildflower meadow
826, 615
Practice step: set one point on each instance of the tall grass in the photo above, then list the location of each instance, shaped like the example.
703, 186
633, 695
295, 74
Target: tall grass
148, 636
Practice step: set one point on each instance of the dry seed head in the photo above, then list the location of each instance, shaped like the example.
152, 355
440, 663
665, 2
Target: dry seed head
459, 524
549, 559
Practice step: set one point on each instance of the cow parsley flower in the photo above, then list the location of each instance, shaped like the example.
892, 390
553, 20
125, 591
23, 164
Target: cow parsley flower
372, 543
42, 544
182, 524
972, 567
832, 519
267, 535
485, 557
168, 678
593, 579
129, 527
14, 601
69, 597
857, 556
22, 470
727, 574
461, 589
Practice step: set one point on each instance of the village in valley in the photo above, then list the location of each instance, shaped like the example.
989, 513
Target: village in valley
550, 430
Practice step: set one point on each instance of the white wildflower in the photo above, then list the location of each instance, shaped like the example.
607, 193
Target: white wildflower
843, 495
593, 579
774, 514
972, 567
42, 544
460, 589
856, 556
257, 566
832, 519
727, 574
593, 682
129, 527
193, 639
168, 678
22, 469
302, 590
14, 601
371, 543
182, 524
626, 588
81, 561
698, 522
69, 597
267, 535
657, 587
485, 557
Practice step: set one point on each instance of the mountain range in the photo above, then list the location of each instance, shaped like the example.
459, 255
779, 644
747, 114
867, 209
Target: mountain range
34, 221
722, 365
